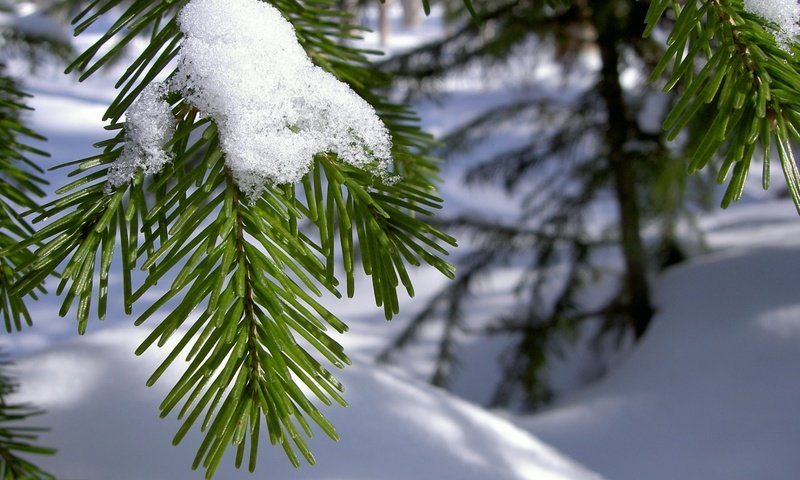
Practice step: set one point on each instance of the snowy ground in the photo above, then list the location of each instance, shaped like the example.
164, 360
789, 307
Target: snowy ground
710, 394
105, 424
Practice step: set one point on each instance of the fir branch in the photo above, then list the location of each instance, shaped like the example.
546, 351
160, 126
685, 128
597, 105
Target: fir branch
748, 79
20, 185
244, 275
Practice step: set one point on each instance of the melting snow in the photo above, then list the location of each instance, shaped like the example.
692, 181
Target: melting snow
785, 14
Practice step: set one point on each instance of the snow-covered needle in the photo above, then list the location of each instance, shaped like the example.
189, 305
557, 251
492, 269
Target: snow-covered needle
784, 14
149, 125
241, 64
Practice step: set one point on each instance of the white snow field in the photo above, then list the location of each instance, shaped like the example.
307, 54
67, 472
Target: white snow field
105, 424
712, 390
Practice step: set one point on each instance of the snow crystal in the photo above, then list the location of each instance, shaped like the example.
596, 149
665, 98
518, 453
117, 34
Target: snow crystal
241, 64
785, 14
149, 125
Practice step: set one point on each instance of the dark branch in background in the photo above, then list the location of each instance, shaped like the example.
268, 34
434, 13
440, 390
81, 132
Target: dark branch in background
35, 37
508, 23
623, 169
586, 150
559, 25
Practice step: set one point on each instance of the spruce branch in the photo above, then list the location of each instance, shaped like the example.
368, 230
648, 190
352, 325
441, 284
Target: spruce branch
243, 273
745, 75
20, 185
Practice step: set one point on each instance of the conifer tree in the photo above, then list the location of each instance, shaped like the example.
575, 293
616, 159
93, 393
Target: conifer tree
716, 86
250, 218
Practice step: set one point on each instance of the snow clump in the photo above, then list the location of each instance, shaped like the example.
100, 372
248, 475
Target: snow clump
149, 125
241, 64
785, 14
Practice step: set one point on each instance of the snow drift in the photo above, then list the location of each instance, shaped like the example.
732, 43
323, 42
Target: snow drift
711, 392
105, 424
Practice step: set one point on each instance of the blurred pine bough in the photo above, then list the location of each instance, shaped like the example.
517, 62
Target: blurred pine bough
29, 38
605, 138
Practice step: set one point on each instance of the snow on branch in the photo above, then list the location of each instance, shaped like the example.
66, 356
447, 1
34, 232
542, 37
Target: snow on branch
784, 14
241, 64
149, 125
